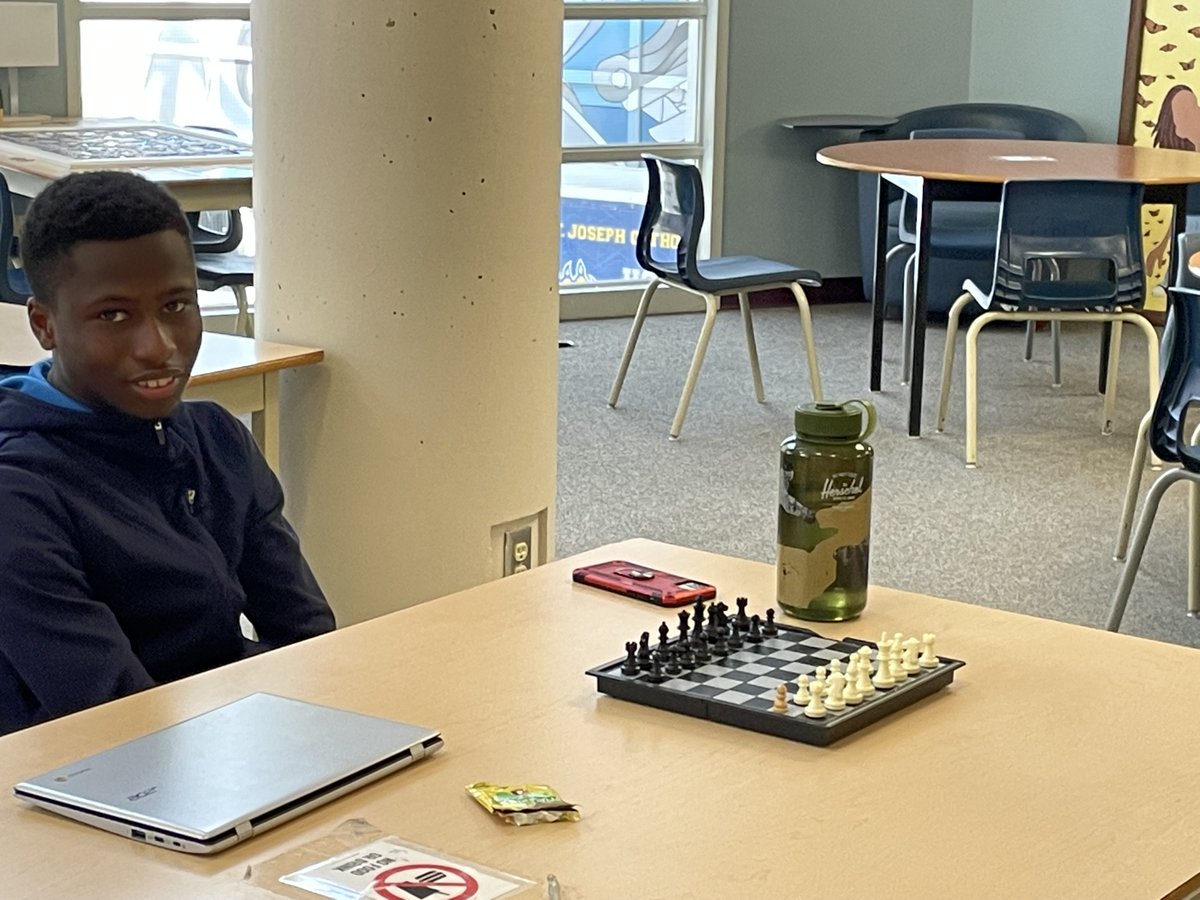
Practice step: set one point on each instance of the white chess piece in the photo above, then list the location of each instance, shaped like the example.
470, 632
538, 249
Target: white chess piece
863, 684
864, 660
819, 687
837, 686
928, 659
781, 698
853, 696
835, 665
895, 668
908, 659
802, 693
815, 708
883, 676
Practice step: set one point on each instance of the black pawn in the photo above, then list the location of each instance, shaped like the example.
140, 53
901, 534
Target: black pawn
742, 620
687, 658
769, 629
701, 651
673, 662
755, 635
698, 631
714, 622
719, 646
656, 675
630, 666
643, 653
664, 633
735, 634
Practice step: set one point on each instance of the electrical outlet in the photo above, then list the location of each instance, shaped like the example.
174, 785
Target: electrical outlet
518, 549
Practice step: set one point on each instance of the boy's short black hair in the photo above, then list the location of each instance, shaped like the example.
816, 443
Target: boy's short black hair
91, 206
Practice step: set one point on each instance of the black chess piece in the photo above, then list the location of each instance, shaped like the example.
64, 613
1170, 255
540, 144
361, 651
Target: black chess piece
698, 631
673, 662
698, 612
683, 628
664, 633
769, 629
735, 634
755, 635
687, 658
643, 653
742, 620
630, 666
701, 651
714, 622
720, 646
655, 676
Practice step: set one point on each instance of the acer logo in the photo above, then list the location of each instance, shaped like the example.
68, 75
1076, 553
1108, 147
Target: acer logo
140, 794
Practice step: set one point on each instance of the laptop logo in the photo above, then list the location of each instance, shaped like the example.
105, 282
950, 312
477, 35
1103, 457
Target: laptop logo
140, 794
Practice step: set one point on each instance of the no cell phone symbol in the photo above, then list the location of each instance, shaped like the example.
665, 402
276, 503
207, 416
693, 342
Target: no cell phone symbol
425, 882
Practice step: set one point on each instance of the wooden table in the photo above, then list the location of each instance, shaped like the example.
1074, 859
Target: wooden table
242, 374
197, 186
964, 169
1060, 764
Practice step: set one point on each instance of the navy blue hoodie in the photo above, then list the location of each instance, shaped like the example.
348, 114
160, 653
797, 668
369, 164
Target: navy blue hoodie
128, 549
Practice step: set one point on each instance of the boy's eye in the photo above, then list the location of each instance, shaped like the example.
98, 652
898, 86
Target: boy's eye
174, 306
114, 315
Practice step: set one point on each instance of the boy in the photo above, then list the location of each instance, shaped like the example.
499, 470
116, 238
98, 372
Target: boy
135, 528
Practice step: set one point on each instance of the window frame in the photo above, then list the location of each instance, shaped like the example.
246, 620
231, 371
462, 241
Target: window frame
707, 147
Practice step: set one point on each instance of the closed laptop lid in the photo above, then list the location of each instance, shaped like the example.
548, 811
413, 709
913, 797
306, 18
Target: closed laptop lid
232, 765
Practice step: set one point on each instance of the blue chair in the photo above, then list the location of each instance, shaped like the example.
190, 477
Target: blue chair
961, 230
1180, 389
14, 287
673, 216
1067, 250
218, 264
946, 273
1187, 246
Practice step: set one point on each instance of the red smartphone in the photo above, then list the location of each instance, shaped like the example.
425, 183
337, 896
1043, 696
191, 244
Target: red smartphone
644, 583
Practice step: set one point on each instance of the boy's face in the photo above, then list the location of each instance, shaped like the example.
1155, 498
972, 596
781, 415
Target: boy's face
123, 324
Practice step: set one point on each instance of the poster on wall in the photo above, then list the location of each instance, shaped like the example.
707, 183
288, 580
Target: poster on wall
1159, 108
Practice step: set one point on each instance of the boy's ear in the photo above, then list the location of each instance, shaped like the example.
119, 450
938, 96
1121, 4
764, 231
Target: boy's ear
41, 322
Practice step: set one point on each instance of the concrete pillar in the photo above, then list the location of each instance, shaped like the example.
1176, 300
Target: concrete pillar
406, 196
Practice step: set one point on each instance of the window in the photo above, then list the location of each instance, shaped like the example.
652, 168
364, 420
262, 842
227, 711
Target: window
637, 77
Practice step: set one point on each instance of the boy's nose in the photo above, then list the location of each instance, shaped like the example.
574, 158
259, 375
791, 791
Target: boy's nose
154, 343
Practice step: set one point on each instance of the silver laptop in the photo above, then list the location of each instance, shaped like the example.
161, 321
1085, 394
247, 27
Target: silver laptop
207, 783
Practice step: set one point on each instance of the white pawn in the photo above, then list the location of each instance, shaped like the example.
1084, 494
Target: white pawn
864, 660
835, 666
883, 677
908, 660
853, 696
928, 659
815, 708
837, 685
818, 685
863, 685
781, 698
802, 693
895, 668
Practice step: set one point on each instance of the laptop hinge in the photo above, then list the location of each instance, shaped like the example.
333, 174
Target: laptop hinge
243, 830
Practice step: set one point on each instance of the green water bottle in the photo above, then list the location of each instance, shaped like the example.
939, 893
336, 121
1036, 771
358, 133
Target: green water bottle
825, 511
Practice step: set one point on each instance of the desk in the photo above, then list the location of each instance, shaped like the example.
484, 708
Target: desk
197, 185
1026, 778
241, 374
935, 170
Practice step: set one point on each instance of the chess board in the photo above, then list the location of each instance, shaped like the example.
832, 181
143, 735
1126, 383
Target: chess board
111, 146
739, 687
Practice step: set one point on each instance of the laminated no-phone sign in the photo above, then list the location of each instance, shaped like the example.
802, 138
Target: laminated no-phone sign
389, 869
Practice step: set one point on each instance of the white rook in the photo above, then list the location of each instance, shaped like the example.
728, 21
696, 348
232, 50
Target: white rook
406, 184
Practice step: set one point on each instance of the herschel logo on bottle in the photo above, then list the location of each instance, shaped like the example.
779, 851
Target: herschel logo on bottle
843, 486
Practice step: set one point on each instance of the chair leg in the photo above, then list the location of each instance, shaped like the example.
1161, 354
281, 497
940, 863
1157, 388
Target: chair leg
1030, 328
948, 356
908, 311
972, 380
810, 344
1193, 554
1138, 546
1132, 487
243, 325
1056, 351
711, 302
1152, 362
638, 318
751, 346
1110, 382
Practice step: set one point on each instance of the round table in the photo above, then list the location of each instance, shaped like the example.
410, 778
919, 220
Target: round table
968, 169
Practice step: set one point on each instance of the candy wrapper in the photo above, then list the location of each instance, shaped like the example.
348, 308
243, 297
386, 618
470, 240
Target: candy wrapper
525, 804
